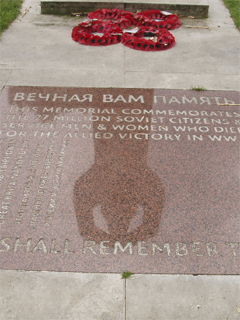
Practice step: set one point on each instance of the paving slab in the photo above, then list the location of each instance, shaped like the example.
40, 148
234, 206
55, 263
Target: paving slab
70, 296
187, 80
204, 48
61, 296
183, 297
196, 8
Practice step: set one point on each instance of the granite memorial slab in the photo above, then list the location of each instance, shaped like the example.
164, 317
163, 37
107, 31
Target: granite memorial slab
109, 180
197, 8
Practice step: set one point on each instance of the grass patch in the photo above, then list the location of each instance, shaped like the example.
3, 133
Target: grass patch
127, 274
233, 7
198, 88
9, 10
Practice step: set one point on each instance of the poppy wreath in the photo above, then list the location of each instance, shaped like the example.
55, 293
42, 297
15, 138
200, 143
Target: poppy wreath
157, 19
161, 40
84, 33
124, 19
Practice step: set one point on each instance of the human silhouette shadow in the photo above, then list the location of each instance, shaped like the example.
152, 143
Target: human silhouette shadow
119, 182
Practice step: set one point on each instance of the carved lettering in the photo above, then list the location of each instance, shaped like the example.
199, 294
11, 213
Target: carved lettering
117, 245
212, 248
181, 249
8, 194
40, 246
66, 247
196, 249
22, 245
142, 248
88, 245
42, 185
233, 246
5, 244
103, 247
166, 247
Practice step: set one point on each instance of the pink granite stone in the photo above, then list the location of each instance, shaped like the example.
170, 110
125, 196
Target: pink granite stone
107, 180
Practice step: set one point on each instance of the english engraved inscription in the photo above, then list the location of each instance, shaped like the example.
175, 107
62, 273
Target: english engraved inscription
107, 180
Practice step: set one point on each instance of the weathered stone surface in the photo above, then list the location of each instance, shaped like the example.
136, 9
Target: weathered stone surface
198, 9
105, 180
63, 296
183, 297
